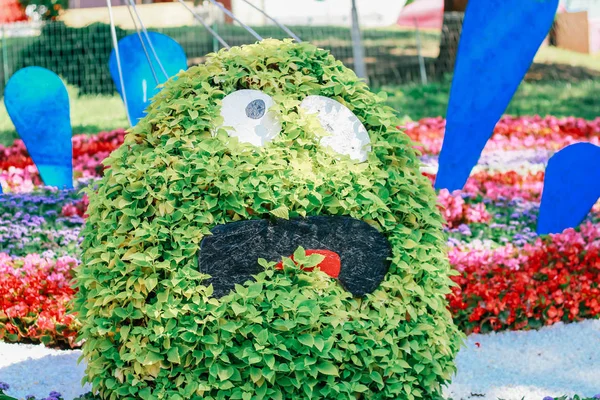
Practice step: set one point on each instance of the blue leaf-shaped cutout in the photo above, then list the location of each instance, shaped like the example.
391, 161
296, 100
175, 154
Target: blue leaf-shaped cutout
140, 82
38, 105
571, 187
497, 45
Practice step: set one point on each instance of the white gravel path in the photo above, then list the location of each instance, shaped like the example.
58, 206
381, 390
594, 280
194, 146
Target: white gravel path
37, 370
555, 361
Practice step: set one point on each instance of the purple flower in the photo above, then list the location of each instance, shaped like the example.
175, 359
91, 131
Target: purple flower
597, 396
453, 242
30, 397
548, 398
4, 386
55, 394
463, 229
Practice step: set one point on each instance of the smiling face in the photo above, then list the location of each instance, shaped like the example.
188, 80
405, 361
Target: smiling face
260, 151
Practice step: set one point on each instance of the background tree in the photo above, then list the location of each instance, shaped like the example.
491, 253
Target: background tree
47, 9
451, 30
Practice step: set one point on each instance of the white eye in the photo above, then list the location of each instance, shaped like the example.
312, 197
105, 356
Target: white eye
348, 134
246, 116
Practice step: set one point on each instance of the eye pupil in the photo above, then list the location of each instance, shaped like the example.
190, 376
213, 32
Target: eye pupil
256, 109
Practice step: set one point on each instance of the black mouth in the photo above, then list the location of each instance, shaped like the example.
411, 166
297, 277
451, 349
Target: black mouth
230, 254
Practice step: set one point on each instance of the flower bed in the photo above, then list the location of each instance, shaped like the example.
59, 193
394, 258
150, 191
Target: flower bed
514, 133
18, 174
507, 276
554, 279
53, 395
34, 292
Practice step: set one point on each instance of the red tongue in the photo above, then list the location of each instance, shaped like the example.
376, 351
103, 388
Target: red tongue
330, 265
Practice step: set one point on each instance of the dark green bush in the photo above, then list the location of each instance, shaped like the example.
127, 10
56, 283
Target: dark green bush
152, 330
79, 55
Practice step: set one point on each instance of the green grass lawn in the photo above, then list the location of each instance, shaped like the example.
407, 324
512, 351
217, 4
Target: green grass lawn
561, 99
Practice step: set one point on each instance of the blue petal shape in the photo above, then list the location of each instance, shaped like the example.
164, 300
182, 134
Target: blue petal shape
38, 105
140, 83
497, 45
571, 188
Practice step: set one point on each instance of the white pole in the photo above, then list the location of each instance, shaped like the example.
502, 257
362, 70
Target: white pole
132, 2
113, 33
230, 14
206, 26
357, 48
420, 54
265, 15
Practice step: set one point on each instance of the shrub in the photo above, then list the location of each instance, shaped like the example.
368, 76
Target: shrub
151, 327
79, 55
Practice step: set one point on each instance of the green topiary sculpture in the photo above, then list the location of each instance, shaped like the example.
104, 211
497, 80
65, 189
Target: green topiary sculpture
156, 327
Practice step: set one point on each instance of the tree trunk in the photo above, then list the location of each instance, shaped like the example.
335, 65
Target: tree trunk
451, 30
227, 4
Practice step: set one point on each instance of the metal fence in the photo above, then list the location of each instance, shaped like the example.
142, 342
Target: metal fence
80, 55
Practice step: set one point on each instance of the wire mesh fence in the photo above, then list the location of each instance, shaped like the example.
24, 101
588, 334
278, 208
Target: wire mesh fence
80, 55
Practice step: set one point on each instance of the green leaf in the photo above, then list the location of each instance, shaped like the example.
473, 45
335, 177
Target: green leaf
313, 260
306, 340
173, 355
266, 264
319, 343
409, 244
237, 308
281, 212
254, 290
230, 326
300, 255
151, 283
225, 373
327, 368
152, 357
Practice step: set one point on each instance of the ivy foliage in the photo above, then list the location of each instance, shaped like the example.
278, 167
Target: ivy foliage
152, 330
